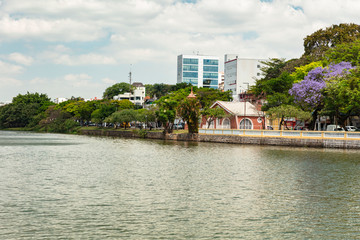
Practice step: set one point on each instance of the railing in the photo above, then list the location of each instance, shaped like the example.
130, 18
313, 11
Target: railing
284, 133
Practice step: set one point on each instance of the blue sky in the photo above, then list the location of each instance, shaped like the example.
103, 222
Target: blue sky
80, 47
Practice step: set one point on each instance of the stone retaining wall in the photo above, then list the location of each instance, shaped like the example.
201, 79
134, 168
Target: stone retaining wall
295, 142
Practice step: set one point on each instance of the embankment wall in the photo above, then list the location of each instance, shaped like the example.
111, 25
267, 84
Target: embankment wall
233, 139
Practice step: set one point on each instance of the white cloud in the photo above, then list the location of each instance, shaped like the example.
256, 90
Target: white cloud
9, 82
78, 80
21, 59
108, 81
8, 69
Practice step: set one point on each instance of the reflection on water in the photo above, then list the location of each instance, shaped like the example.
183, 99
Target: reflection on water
63, 186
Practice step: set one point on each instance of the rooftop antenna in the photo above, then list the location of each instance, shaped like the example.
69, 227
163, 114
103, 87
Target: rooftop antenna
130, 74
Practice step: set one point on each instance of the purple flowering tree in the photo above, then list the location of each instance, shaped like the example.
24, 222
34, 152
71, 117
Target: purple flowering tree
308, 93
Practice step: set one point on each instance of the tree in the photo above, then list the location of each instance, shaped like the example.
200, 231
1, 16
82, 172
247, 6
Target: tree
123, 117
24, 110
124, 104
316, 44
116, 89
308, 94
207, 96
287, 111
345, 52
342, 96
189, 111
213, 113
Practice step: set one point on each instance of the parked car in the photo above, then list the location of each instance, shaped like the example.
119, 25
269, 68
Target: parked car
334, 128
179, 126
351, 128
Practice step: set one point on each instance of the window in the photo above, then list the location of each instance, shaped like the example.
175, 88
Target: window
211, 62
138, 98
258, 74
190, 74
211, 75
226, 123
193, 81
190, 68
211, 69
258, 66
246, 124
210, 82
190, 61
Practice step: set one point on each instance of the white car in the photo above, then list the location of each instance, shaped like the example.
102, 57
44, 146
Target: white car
350, 128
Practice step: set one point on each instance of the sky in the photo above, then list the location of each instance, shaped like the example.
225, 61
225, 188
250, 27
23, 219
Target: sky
66, 48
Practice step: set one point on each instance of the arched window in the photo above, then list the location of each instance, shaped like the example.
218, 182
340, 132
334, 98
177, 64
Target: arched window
226, 123
218, 125
246, 124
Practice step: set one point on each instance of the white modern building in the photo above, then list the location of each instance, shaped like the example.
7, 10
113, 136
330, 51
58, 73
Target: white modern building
241, 74
200, 71
137, 96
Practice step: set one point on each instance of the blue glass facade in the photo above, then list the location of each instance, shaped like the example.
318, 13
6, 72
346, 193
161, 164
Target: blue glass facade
198, 70
210, 73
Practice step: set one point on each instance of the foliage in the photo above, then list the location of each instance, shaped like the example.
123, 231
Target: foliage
213, 113
345, 52
123, 117
342, 96
116, 89
207, 96
24, 109
189, 111
287, 111
123, 104
308, 94
316, 44
300, 72
159, 90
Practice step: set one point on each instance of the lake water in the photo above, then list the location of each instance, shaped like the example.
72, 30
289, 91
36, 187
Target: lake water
77, 187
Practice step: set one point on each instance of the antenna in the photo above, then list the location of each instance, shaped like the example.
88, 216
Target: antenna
130, 74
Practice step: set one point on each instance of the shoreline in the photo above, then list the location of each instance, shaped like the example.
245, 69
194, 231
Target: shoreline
232, 139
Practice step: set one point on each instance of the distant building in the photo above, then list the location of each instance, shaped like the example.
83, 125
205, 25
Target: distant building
200, 71
241, 74
60, 100
137, 96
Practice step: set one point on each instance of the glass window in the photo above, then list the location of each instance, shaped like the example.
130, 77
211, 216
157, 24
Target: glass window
138, 98
190, 68
190, 74
226, 123
211, 69
245, 124
193, 81
211, 75
190, 61
211, 62
213, 87
210, 82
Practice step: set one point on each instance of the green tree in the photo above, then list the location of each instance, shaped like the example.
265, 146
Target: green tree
189, 111
345, 52
287, 111
342, 96
116, 89
213, 113
123, 117
207, 96
316, 44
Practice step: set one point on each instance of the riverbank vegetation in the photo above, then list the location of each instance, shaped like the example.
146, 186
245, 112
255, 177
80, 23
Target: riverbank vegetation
36, 112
